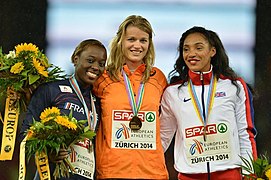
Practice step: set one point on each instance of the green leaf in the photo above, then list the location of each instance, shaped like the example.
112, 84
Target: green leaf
248, 165
70, 114
24, 73
83, 122
4, 68
33, 78
88, 134
18, 85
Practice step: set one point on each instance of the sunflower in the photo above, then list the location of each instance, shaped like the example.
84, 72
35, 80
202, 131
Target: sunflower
64, 121
60, 131
41, 69
17, 68
26, 47
268, 173
49, 113
44, 61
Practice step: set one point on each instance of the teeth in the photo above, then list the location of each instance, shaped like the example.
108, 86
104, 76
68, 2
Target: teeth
92, 75
136, 52
193, 62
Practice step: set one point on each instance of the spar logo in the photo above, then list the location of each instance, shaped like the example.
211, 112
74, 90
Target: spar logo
124, 131
196, 147
127, 115
199, 131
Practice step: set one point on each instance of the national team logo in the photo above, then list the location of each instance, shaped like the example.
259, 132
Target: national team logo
220, 94
74, 107
196, 147
65, 88
123, 131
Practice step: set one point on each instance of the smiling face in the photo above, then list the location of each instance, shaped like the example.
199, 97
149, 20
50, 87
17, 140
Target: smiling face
135, 46
89, 64
197, 52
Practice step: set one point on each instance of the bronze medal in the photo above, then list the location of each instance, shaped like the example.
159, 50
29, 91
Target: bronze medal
135, 123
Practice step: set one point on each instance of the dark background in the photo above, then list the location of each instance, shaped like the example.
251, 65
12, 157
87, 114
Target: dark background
25, 21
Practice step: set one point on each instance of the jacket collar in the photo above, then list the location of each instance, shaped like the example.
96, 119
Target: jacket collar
195, 77
139, 69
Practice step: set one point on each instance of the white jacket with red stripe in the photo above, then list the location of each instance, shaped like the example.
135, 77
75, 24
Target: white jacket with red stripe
229, 131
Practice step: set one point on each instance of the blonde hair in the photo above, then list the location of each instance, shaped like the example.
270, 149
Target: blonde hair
116, 57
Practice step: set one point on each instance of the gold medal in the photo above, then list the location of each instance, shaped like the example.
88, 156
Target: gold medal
135, 123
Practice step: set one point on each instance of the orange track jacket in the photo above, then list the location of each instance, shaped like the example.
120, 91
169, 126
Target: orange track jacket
121, 152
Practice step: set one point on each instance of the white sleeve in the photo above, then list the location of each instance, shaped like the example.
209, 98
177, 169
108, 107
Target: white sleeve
168, 123
245, 124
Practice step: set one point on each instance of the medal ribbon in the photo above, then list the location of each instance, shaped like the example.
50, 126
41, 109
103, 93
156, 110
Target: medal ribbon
10, 124
22, 167
42, 163
92, 120
134, 104
210, 99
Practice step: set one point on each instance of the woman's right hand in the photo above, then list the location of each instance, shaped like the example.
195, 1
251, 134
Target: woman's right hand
57, 158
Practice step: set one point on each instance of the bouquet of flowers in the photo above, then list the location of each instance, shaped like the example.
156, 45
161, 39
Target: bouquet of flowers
53, 132
24, 69
258, 169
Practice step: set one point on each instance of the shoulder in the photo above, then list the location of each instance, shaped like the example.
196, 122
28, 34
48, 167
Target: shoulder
56, 83
103, 81
174, 87
157, 71
158, 77
240, 81
103, 78
49, 86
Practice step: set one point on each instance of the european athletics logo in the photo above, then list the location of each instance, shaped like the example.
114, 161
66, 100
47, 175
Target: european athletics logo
197, 146
123, 131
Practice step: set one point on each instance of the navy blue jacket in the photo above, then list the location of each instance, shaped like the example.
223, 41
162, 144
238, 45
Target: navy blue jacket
59, 94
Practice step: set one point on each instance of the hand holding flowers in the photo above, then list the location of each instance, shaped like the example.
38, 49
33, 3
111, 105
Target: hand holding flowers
24, 69
21, 72
53, 133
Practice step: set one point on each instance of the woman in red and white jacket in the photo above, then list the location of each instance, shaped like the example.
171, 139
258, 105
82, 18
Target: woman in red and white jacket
209, 108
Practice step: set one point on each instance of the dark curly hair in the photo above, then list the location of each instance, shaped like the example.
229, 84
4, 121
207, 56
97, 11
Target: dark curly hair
219, 61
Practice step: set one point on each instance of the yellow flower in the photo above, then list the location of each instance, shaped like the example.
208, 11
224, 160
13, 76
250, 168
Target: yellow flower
41, 69
48, 113
26, 47
47, 119
268, 173
64, 121
17, 68
44, 61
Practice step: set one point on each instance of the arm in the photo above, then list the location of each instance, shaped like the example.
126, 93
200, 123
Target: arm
39, 101
168, 123
245, 122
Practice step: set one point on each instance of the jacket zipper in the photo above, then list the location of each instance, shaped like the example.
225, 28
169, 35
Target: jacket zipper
203, 105
205, 120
